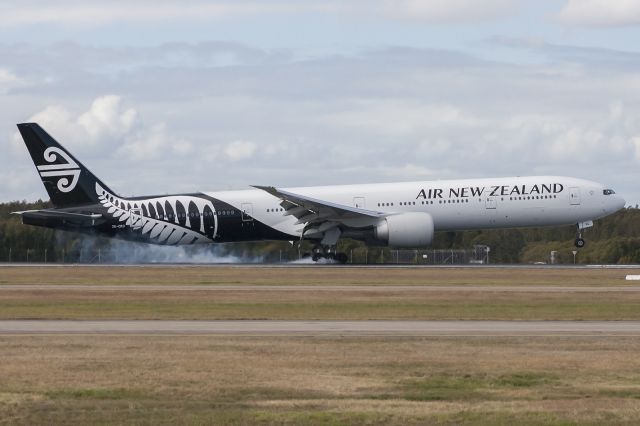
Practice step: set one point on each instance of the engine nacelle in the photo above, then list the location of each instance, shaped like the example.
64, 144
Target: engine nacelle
406, 230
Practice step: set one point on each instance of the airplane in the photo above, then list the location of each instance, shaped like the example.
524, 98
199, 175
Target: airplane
405, 214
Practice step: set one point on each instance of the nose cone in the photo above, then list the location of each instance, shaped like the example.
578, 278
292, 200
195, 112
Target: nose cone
615, 203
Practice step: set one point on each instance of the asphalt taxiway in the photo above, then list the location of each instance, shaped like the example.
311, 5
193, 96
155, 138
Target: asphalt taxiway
320, 288
310, 264
318, 328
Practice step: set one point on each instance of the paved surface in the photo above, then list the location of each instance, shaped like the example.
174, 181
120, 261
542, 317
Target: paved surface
323, 288
308, 265
306, 328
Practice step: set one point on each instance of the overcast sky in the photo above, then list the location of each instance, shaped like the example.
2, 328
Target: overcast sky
162, 97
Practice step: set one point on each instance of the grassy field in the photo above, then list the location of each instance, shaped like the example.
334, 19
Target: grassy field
96, 275
139, 380
317, 304
368, 381
298, 303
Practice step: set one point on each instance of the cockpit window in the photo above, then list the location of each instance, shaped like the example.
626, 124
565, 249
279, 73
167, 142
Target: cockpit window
608, 192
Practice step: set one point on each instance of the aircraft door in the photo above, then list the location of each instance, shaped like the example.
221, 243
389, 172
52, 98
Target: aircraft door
135, 218
574, 196
358, 202
247, 212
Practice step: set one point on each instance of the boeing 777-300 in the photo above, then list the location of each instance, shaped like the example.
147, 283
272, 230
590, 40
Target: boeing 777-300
405, 214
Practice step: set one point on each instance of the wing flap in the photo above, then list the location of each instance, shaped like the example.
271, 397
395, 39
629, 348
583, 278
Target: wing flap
320, 217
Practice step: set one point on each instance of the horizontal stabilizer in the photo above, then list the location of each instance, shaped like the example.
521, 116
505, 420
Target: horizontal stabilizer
52, 218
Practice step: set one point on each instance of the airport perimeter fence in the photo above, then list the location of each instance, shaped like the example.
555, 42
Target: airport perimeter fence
360, 256
11, 255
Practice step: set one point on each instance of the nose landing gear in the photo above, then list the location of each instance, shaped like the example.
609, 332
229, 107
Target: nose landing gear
579, 242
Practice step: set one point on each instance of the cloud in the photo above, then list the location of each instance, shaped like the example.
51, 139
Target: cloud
78, 13
106, 118
636, 144
9, 80
146, 144
108, 127
606, 13
104, 12
104, 121
450, 11
590, 57
410, 171
240, 150
397, 117
378, 115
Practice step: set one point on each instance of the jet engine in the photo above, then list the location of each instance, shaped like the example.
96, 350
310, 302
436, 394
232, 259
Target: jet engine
406, 230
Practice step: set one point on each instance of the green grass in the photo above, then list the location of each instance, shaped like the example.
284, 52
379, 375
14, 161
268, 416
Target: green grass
94, 393
199, 380
471, 387
621, 393
202, 380
525, 379
445, 388
122, 275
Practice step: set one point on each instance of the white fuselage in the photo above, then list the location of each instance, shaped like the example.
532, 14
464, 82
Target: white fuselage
454, 204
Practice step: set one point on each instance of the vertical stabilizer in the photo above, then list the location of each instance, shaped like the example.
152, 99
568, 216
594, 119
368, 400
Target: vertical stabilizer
66, 180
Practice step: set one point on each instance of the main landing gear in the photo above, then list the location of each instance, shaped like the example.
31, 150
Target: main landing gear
579, 242
326, 253
326, 248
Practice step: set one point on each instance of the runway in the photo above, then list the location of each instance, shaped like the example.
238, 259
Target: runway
320, 328
311, 265
321, 288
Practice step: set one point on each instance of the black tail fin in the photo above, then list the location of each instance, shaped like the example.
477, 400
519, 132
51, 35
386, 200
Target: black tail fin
66, 180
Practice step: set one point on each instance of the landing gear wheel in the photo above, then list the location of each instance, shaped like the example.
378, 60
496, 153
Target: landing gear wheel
341, 258
579, 242
316, 257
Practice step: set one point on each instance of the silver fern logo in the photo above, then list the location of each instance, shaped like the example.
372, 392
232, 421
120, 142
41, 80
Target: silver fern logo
163, 220
66, 170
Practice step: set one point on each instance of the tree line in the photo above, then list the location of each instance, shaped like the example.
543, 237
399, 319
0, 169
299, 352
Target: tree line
613, 240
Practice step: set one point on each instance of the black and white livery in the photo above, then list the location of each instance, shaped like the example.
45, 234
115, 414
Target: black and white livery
403, 214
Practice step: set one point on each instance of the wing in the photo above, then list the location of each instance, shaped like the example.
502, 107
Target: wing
320, 217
